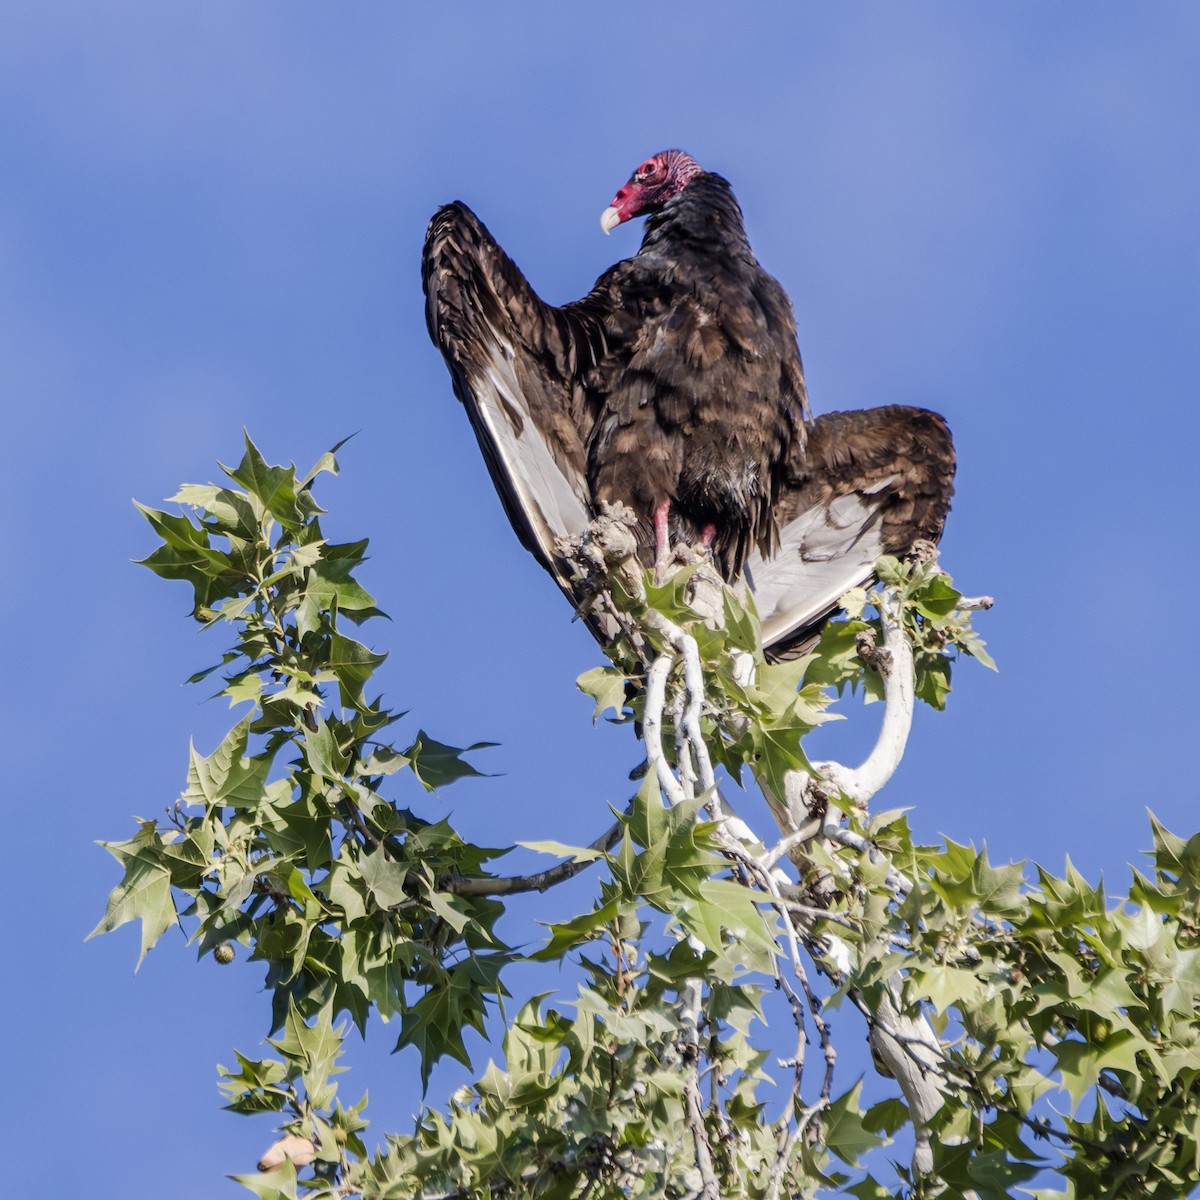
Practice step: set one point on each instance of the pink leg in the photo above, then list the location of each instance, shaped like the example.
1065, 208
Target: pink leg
662, 537
707, 534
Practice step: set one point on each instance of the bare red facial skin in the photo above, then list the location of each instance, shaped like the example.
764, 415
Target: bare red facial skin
654, 183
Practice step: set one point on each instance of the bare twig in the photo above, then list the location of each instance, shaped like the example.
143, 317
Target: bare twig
539, 881
897, 881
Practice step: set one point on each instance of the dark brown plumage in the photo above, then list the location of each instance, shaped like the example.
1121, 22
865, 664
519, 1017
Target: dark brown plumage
675, 386
700, 400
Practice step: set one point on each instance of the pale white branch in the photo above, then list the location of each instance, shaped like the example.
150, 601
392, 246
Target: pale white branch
909, 1050
894, 662
693, 682
656, 693
785, 846
690, 1020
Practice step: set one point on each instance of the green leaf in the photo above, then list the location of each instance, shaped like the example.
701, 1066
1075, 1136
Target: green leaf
741, 624
966, 880
327, 463
1081, 1063
836, 662
273, 487
257, 1087
777, 751
670, 597
316, 1047
566, 935
947, 987
454, 910
144, 894
325, 757
932, 679
561, 850
936, 599
186, 554
329, 586
229, 509
302, 833
676, 853
436, 1022
353, 664
385, 880
384, 760
846, 1133
606, 685
870, 1189
271, 1185
435, 764
725, 907
226, 777
776, 684
178, 533
971, 643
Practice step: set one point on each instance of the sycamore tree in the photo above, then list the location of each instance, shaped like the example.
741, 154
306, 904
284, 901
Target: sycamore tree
1032, 1037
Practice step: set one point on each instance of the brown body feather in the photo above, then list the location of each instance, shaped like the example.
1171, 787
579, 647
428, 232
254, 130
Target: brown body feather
700, 399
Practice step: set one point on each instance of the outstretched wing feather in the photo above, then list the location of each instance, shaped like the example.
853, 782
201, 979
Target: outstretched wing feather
511, 357
872, 481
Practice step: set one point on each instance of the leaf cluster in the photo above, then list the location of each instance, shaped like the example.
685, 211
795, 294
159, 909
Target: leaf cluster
590, 1099
1069, 1026
935, 621
283, 841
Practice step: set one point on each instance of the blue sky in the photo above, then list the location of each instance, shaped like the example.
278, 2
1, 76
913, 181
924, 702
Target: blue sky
211, 217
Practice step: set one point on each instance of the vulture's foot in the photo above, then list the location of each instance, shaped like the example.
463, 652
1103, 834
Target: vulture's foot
680, 555
922, 550
706, 593
608, 546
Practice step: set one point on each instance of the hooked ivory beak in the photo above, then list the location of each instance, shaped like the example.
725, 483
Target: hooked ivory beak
610, 218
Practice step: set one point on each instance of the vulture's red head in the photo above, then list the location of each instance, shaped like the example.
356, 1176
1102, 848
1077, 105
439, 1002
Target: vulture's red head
650, 187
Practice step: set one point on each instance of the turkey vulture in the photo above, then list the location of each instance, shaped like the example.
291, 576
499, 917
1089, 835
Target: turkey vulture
675, 386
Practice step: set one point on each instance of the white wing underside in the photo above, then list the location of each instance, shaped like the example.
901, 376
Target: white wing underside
556, 506
823, 553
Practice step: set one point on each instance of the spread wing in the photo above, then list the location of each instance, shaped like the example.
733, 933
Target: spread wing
516, 363
873, 481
